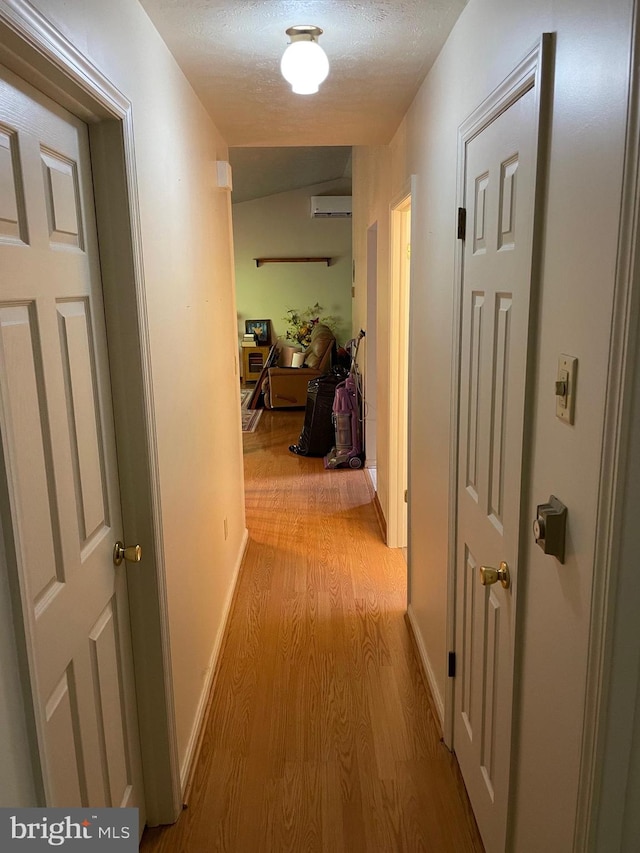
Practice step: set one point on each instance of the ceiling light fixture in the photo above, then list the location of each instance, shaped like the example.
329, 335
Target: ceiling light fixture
304, 63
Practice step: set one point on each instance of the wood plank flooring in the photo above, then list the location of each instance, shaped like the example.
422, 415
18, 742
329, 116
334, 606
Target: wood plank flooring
320, 735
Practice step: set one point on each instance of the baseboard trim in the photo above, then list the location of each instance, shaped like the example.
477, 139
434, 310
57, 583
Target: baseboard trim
382, 522
427, 670
369, 481
202, 714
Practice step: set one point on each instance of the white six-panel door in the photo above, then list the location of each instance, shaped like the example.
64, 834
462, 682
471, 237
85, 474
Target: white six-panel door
61, 504
499, 197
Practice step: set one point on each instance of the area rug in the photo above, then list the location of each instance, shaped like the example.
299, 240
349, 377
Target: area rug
250, 417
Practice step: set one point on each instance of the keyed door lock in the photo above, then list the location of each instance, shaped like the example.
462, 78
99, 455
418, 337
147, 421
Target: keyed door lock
550, 527
566, 388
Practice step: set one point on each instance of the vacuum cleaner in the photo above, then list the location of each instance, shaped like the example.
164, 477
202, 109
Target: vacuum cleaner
347, 419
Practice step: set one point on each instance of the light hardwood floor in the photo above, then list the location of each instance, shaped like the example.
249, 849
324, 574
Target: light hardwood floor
320, 735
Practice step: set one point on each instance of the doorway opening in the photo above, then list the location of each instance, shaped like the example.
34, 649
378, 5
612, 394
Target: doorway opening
371, 355
399, 371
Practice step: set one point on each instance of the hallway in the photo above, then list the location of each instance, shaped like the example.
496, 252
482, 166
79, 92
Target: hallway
321, 735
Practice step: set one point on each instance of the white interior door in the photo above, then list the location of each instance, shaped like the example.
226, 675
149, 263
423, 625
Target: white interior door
61, 505
499, 196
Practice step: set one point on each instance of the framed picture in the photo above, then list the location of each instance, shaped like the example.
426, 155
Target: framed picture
259, 328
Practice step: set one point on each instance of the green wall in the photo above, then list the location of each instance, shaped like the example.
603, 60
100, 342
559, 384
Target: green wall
281, 226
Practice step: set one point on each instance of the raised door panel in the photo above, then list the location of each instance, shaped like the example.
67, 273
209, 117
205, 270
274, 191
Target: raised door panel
87, 450
62, 198
12, 215
24, 413
64, 745
107, 675
499, 401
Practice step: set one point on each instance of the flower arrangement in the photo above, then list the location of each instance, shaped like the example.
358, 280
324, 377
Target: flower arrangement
301, 323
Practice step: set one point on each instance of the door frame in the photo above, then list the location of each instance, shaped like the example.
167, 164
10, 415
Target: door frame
610, 751
530, 73
371, 354
399, 349
34, 49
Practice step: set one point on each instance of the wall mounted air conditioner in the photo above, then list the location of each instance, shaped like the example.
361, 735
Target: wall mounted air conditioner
331, 207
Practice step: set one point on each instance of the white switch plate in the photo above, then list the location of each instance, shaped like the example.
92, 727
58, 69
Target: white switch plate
567, 372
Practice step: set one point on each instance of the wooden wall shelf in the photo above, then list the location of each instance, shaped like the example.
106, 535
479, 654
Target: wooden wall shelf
261, 261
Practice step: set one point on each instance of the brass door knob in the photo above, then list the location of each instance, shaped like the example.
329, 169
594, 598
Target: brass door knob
489, 575
132, 554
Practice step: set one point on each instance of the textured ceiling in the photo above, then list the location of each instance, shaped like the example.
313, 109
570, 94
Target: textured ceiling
379, 52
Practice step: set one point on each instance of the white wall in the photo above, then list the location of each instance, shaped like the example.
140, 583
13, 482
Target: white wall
581, 211
188, 268
280, 226
371, 199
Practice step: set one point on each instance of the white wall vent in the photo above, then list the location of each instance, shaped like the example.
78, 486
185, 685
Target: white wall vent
331, 207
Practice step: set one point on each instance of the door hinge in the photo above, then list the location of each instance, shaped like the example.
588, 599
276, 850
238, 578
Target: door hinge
452, 665
406, 496
462, 223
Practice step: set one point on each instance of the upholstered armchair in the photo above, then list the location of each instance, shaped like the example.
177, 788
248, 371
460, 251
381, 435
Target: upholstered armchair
286, 387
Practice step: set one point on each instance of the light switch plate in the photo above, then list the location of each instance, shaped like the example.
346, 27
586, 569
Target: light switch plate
567, 373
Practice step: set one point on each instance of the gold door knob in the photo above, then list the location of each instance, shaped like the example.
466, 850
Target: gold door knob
489, 575
132, 554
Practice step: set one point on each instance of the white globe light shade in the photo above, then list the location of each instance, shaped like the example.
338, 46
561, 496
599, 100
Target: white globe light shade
304, 64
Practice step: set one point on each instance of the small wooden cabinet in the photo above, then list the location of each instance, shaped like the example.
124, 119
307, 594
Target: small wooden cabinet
253, 359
